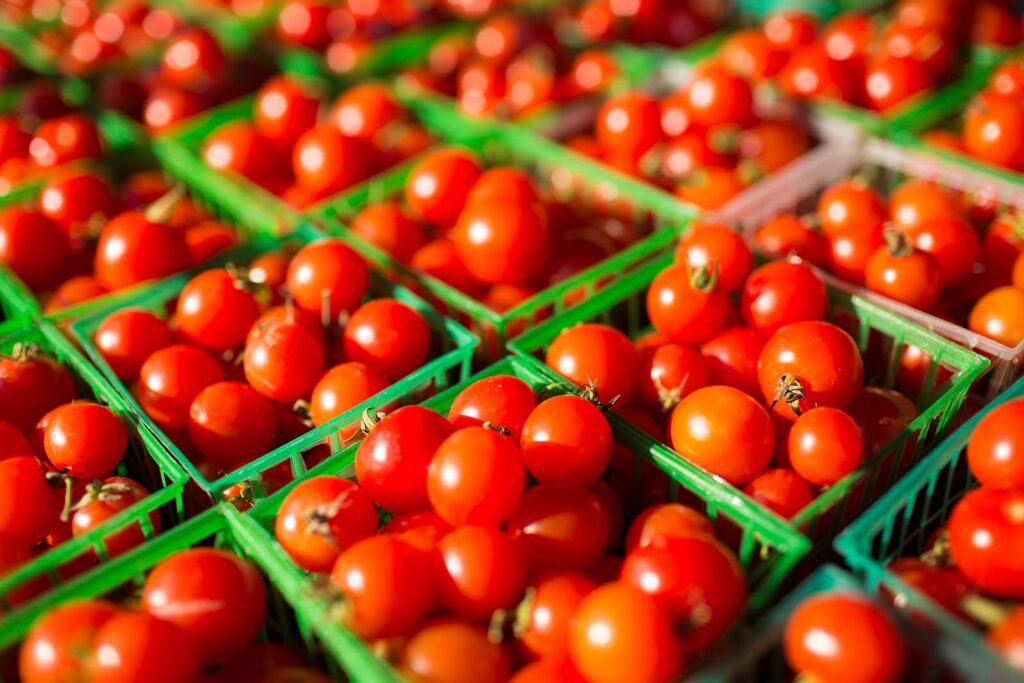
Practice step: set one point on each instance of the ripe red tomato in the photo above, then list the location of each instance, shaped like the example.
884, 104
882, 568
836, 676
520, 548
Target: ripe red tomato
629, 124
708, 243
620, 633
239, 148
749, 53
999, 315
30, 503
476, 477
169, 381
1007, 638
285, 109
304, 23
690, 576
326, 278
850, 251
341, 389
909, 276
669, 373
995, 452
58, 644
917, 202
14, 140
215, 597
363, 110
231, 424
847, 204
891, 81
31, 385
34, 247
944, 585
320, 518
825, 445
566, 440
953, 244
64, 139
986, 542
808, 365
724, 431
135, 646
388, 227
502, 400
284, 362
166, 106
133, 249
865, 643
789, 30
451, 650
994, 130
439, 184
420, 529
812, 73
215, 310
598, 355
547, 622
84, 438
73, 197
102, 502
714, 96
391, 462
388, 335
687, 306
658, 523
324, 161
881, 415
387, 584
502, 242
481, 570
732, 358
780, 490
13, 442
193, 60
781, 293
560, 528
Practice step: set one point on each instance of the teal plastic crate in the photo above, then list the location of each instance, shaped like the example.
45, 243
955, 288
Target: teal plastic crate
221, 527
900, 524
452, 350
624, 304
146, 461
765, 549
756, 656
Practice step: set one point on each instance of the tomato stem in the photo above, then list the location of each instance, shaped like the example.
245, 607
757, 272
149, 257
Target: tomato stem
791, 391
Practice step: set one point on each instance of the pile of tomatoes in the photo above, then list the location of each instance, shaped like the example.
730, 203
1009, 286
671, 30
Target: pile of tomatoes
59, 454
973, 566
922, 245
866, 62
250, 359
287, 149
197, 619
507, 542
704, 142
42, 134
85, 235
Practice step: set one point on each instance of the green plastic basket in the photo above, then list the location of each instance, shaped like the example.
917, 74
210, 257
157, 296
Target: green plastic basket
147, 461
450, 363
23, 44
900, 525
764, 547
569, 177
221, 527
756, 656
624, 304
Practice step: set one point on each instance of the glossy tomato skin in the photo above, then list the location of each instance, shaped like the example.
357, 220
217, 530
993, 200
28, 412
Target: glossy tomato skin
327, 274
560, 528
621, 634
231, 423
999, 315
72, 197
481, 570
825, 445
391, 462
439, 185
708, 243
85, 438
780, 293
387, 226
215, 311
668, 374
629, 124
596, 354
453, 650
867, 643
284, 362
325, 162
341, 389
64, 139
686, 308
135, 646
503, 400
114, 496
566, 440
502, 242
284, 110
995, 452
781, 491
732, 358
986, 541
659, 523
388, 335
348, 514
548, 624
725, 431
133, 249
171, 378
33, 246
787, 235
31, 385
913, 279
58, 643
217, 599
881, 415
819, 357
1007, 638
126, 338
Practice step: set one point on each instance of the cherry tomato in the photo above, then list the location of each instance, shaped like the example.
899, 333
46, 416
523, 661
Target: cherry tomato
239, 148
324, 161
780, 490
389, 335
420, 529
669, 373
994, 131
165, 107
482, 570
327, 277
502, 400
710, 188
33, 246
944, 585
30, 504
216, 598
850, 251
502, 242
566, 440
902, 273
986, 541
84, 438
440, 259
363, 110
1007, 638
31, 385
658, 523
476, 477
215, 311
847, 204
1008, 79
732, 358
12, 442
58, 644
102, 502
285, 109
687, 306
708, 243
388, 227
629, 124
546, 624
439, 184
391, 462
811, 73
341, 389
560, 528
320, 518
304, 23
952, 242
781, 293
807, 365
284, 362
891, 81
620, 633
193, 60
789, 30
725, 431
169, 381
825, 445
231, 423
865, 644
999, 315
449, 651
881, 415
387, 584
64, 139
72, 198
599, 355
749, 54
714, 96
995, 453
133, 249
14, 140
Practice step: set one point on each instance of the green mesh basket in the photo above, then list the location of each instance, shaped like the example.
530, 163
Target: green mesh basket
146, 461
767, 551
221, 527
568, 177
624, 305
756, 655
23, 45
901, 523
452, 352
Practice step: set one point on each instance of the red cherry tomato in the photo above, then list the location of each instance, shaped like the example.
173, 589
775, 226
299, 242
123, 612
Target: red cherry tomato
324, 161
780, 490
134, 646
133, 249
64, 139
284, 110
502, 400
986, 541
363, 110
994, 130
231, 423
31, 385
73, 197
388, 227
629, 124
669, 373
560, 528
54, 646
732, 358
215, 311
304, 23
439, 184
388, 335
850, 251
102, 502
714, 96
165, 107
909, 276
341, 389
881, 415
658, 523
599, 355
708, 243
30, 504
481, 570
546, 625
789, 30
84, 438
284, 362
687, 306
449, 650
847, 204
327, 277
999, 315
995, 452
566, 440
891, 81
825, 445
781, 293
193, 60
812, 73
34, 247
169, 381
239, 148
952, 242
502, 242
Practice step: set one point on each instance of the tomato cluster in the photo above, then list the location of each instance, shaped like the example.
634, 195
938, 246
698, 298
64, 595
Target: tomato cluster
704, 142
922, 245
740, 374
85, 236
57, 464
514, 499
251, 359
288, 151
198, 618
977, 556
43, 134
993, 124
865, 62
